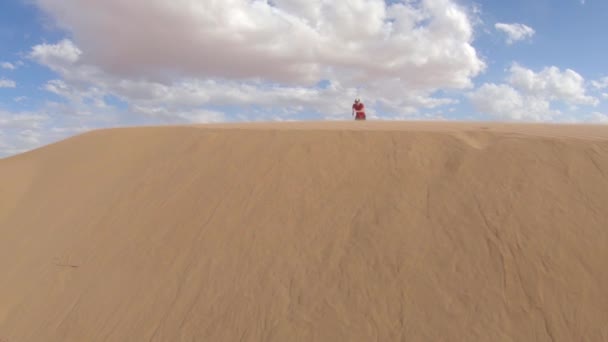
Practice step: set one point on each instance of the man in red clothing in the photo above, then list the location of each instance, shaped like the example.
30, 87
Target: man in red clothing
359, 110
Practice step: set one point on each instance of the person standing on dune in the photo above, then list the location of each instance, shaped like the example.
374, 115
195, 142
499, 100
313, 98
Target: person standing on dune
359, 110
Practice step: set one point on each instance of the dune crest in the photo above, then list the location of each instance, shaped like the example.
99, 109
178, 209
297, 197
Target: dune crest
308, 232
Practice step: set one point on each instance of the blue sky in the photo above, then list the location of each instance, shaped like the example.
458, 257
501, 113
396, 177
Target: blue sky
568, 34
67, 67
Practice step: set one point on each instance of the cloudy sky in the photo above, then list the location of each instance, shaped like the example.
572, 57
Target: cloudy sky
68, 66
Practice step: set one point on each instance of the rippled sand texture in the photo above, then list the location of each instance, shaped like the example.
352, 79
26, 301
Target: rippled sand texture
318, 231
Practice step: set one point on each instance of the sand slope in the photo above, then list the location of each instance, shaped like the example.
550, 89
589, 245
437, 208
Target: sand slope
308, 232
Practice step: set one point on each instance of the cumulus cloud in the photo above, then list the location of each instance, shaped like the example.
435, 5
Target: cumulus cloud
515, 32
601, 83
7, 65
22, 131
6, 83
187, 116
239, 52
590, 118
208, 61
29, 137
17, 131
286, 41
507, 103
598, 117
82, 101
552, 83
528, 95
21, 120
56, 55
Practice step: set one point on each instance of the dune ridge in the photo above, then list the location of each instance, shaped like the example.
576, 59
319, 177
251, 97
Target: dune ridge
343, 231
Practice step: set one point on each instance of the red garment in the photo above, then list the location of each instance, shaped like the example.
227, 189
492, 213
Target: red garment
359, 109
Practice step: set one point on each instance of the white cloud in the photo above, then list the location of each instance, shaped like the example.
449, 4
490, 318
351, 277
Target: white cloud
6, 83
418, 47
601, 83
23, 131
10, 120
507, 103
552, 83
207, 61
20, 98
288, 41
18, 131
77, 95
86, 83
58, 87
56, 55
8, 66
515, 32
598, 117
529, 95
70, 130
29, 137
188, 116
592, 118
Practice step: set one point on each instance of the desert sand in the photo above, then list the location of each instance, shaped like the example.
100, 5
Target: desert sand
318, 231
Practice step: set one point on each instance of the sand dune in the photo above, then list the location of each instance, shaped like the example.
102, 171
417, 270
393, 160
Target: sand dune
345, 231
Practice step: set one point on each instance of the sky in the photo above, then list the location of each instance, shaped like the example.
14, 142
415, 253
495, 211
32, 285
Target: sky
70, 66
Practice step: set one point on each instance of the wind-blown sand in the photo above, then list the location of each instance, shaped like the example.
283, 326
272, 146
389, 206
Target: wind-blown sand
343, 231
